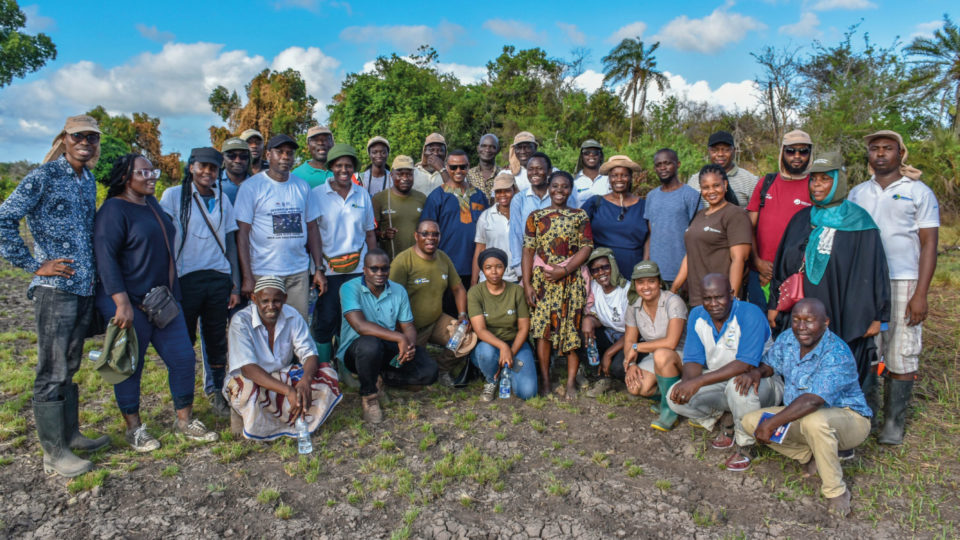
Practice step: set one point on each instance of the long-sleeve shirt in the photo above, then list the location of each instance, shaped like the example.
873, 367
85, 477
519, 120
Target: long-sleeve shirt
59, 206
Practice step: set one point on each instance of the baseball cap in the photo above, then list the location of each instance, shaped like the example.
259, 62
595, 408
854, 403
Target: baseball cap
247, 133
280, 140
645, 269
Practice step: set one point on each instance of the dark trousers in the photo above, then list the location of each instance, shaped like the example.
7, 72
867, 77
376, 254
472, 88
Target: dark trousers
62, 321
603, 343
754, 291
325, 322
172, 344
370, 357
449, 302
206, 294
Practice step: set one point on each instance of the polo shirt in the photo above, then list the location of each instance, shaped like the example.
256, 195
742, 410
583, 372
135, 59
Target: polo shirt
900, 211
248, 340
669, 306
343, 222
745, 332
585, 188
311, 175
523, 204
457, 228
387, 310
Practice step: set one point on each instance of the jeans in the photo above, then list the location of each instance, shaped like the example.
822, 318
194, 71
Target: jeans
711, 401
62, 321
369, 357
604, 342
206, 294
325, 322
172, 344
523, 374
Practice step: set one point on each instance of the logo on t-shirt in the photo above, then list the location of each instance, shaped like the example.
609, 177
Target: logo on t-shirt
421, 281
287, 223
711, 229
509, 312
798, 202
444, 276
899, 197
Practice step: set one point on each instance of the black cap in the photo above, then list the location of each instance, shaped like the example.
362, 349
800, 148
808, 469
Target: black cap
280, 140
206, 155
720, 137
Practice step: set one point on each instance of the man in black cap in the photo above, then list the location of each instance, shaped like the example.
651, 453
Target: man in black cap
276, 221
722, 151
205, 250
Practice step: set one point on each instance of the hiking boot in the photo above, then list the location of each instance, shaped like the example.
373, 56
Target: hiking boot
599, 388
140, 440
740, 460
489, 392
195, 431
840, 505
371, 409
57, 457
445, 379
218, 404
846, 455
71, 423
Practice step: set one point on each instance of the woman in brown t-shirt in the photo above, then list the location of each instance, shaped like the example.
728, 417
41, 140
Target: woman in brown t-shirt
717, 240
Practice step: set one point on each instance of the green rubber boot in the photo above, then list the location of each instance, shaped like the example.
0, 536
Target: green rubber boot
668, 418
346, 379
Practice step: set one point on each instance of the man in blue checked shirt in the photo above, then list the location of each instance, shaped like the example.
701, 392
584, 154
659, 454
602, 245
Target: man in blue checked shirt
59, 200
822, 400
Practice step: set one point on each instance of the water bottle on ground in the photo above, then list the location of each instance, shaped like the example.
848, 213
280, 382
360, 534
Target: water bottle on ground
506, 383
457, 338
304, 444
593, 355
94, 355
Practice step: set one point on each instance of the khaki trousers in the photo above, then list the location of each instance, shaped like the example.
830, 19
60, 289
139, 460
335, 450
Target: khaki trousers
819, 435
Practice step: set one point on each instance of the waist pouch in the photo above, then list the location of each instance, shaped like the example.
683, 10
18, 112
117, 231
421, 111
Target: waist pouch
160, 306
344, 264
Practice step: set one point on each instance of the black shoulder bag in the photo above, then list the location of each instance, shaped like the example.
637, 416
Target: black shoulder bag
159, 304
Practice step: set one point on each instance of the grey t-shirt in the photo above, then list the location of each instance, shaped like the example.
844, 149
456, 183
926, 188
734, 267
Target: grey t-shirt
668, 215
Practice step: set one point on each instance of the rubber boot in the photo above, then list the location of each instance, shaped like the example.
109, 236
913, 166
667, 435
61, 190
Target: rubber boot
871, 391
668, 418
345, 378
71, 423
896, 400
57, 457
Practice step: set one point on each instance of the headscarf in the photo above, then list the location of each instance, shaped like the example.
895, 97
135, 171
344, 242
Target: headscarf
910, 172
496, 253
73, 124
616, 279
834, 213
512, 161
789, 139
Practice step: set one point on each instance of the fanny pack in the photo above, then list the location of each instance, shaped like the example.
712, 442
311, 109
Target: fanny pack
159, 304
344, 264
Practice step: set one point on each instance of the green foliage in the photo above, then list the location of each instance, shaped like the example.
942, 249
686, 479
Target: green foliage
20, 53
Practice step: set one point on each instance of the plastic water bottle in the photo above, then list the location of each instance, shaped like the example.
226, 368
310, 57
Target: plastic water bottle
457, 338
593, 355
94, 355
304, 444
506, 383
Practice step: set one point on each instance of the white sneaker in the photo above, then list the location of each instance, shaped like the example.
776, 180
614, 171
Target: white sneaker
141, 441
489, 392
195, 431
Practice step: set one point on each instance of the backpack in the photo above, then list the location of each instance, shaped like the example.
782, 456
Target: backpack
767, 182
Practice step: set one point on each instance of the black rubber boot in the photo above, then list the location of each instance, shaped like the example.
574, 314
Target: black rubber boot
871, 391
895, 402
71, 422
57, 457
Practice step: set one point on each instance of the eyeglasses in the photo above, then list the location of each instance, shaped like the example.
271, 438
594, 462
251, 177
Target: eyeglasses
601, 268
791, 150
236, 156
456, 167
429, 234
380, 269
147, 174
92, 138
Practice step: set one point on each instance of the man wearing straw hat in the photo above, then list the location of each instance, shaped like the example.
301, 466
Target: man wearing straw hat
397, 210
59, 200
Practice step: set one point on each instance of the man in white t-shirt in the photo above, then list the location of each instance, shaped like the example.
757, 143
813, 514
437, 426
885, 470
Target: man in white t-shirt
908, 215
278, 234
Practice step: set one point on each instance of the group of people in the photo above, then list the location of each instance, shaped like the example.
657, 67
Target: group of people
745, 304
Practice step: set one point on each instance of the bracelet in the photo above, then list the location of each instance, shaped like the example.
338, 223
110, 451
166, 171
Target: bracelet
463, 315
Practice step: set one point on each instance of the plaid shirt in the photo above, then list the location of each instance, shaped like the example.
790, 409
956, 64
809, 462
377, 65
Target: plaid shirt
59, 207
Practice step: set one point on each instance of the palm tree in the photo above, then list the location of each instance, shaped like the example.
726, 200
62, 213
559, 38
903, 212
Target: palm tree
938, 66
631, 63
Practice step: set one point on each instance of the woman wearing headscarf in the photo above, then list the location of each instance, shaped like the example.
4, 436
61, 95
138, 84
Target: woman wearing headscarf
603, 319
837, 247
499, 315
617, 217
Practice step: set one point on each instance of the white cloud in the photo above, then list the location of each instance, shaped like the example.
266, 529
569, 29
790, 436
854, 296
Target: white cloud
731, 96
36, 22
827, 5
632, 30
806, 27
926, 30
466, 74
589, 81
511, 29
406, 38
573, 33
708, 34
318, 71
153, 34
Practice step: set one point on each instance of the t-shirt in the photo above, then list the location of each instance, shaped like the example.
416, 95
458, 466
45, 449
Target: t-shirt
493, 231
708, 240
425, 282
198, 249
343, 223
668, 213
905, 207
278, 213
610, 308
499, 311
311, 175
669, 306
403, 211
458, 226
784, 199
375, 184
386, 310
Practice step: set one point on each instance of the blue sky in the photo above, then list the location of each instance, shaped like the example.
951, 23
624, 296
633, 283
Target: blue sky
164, 58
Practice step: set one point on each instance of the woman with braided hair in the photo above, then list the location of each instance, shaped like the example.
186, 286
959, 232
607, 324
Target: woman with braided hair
206, 254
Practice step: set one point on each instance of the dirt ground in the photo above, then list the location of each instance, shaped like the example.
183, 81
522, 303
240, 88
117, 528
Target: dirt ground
446, 465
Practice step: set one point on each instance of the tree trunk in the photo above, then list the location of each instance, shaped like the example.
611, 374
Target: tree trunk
956, 111
633, 108
643, 102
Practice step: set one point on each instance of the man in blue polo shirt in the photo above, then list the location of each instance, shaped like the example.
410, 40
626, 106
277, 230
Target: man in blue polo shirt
378, 341
725, 338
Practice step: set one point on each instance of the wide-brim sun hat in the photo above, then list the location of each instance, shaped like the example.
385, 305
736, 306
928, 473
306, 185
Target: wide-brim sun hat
619, 161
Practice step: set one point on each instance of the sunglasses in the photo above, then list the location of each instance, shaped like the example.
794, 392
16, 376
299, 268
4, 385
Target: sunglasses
383, 269
236, 156
803, 150
92, 138
429, 234
147, 174
591, 152
601, 268
622, 211
457, 167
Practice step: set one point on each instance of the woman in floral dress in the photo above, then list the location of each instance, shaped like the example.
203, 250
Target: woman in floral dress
556, 243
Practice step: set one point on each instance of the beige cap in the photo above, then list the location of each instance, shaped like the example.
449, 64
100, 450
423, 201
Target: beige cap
378, 139
80, 124
435, 138
402, 162
504, 180
524, 137
619, 161
318, 130
797, 136
247, 133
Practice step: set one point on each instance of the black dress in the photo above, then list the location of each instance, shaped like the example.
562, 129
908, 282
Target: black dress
855, 287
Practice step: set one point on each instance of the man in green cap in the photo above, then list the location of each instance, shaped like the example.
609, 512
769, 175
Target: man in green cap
314, 171
587, 180
236, 166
